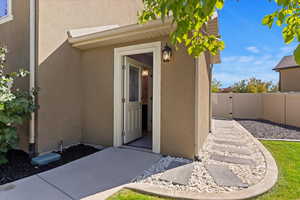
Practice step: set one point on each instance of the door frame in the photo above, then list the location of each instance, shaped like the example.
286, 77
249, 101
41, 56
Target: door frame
155, 48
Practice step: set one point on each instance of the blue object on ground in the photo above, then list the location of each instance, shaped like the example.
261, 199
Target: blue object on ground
45, 159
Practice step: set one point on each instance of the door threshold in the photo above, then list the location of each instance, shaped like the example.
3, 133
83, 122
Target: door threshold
136, 148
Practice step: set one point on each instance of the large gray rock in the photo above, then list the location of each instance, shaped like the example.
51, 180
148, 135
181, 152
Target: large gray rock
223, 176
180, 175
234, 160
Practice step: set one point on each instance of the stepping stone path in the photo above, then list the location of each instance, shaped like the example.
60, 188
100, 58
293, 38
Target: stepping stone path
225, 127
234, 160
223, 176
179, 175
230, 132
242, 151
230, 137
230, 142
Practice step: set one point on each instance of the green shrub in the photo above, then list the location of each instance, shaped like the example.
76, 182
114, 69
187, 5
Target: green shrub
16, 106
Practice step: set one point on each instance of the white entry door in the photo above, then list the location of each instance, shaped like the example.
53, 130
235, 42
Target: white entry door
132, 100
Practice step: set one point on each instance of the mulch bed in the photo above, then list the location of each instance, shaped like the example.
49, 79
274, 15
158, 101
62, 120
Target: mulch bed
19, 165
270, 130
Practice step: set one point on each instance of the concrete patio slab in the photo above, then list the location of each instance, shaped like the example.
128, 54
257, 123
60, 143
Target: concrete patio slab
179, 175
237, 150
235, 160
224, 176
32, 188
103, 170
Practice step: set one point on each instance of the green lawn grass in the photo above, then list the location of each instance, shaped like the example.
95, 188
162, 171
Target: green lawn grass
131, 195
287, 155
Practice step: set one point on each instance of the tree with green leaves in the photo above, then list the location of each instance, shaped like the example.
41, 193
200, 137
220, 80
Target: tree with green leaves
16, 107
191, 17
254, 85
216, 86
287, 17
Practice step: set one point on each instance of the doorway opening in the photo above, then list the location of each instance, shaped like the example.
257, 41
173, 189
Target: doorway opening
137, 96
137, 100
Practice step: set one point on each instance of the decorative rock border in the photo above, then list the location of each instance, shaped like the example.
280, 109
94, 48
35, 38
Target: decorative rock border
263, 186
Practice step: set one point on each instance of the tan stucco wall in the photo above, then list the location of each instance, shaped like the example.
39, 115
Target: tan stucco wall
15, 36
202, 101
247, 106
274, 107
290, 80
178, 105
293, 109
177, 100
60, 75
281, 108
97, 93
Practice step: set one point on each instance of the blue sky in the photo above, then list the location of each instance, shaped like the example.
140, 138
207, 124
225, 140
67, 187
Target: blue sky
252, 50
3, 4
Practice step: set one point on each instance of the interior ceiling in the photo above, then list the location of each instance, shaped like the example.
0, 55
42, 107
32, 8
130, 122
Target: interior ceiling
146, 58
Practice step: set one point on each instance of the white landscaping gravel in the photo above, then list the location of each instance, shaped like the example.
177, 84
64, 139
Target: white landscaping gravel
200, 180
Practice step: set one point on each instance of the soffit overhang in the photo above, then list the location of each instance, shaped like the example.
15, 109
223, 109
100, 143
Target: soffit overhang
94, 37
118, 35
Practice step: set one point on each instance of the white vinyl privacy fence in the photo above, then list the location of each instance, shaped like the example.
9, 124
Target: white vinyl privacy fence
281, 108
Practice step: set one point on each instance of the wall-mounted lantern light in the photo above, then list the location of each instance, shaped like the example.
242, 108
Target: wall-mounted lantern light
145, 73
166, 53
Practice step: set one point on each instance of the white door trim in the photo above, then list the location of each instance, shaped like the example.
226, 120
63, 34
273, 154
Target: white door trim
154, 48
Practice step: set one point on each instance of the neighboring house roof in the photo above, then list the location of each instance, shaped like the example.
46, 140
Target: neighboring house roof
286, 62
87, 38
225, 90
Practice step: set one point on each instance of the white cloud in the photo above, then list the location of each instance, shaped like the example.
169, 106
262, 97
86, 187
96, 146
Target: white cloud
230, 59
259, 62
237, 59
236, 68
253, 49
245, 59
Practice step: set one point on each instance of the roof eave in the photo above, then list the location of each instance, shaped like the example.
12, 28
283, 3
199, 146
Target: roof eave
83, 42
283, 68
134, 32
